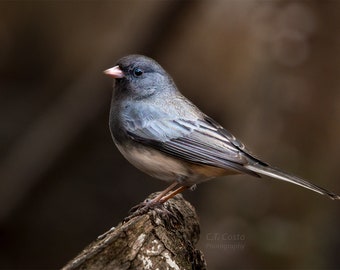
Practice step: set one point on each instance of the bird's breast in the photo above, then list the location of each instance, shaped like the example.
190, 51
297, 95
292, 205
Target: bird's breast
168, 168
154, 163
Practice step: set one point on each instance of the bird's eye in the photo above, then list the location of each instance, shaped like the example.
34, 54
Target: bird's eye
137, 72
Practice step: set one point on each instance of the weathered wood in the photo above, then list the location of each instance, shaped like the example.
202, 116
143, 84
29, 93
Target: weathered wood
162, 238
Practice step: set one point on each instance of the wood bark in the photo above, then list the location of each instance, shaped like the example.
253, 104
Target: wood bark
162, 237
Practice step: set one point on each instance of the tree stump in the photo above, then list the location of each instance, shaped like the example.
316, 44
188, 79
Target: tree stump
163, 237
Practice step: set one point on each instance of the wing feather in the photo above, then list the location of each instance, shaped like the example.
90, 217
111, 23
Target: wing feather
200, 142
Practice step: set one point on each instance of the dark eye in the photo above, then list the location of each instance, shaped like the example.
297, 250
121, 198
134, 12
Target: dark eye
137, 72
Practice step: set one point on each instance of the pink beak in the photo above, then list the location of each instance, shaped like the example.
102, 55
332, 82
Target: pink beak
114, 72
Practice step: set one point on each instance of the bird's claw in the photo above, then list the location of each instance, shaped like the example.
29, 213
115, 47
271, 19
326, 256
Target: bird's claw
142, 208
159, 208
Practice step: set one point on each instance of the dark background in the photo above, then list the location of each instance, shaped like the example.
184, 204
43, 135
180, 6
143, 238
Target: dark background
268, 71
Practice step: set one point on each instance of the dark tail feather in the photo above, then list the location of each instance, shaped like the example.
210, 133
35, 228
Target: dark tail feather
269, 171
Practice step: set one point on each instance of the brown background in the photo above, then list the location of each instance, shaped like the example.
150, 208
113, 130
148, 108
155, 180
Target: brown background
269, 71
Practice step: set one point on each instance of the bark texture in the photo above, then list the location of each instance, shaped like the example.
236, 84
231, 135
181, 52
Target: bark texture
160, 238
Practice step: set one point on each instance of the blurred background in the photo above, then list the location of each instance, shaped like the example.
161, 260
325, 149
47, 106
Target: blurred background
268, 71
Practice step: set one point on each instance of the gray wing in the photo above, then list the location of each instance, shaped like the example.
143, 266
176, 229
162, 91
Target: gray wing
202, 141
205, 142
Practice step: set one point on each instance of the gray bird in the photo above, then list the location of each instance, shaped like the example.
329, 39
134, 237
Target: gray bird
165, 135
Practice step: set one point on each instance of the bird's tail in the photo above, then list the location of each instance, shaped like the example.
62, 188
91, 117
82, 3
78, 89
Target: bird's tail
275, 173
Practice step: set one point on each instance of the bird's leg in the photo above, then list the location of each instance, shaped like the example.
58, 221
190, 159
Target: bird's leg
172, 194
160, 196
151, 202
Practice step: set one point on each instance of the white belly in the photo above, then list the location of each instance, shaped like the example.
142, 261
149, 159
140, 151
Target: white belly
155, 163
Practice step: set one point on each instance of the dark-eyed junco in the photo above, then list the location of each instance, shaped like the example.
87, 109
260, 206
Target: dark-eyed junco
166, 136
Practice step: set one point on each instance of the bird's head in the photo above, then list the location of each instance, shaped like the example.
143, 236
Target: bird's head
139, 77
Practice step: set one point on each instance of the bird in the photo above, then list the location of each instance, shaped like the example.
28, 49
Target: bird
162, 133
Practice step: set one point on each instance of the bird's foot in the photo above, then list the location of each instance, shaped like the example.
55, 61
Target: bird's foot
155, 207
143, 207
